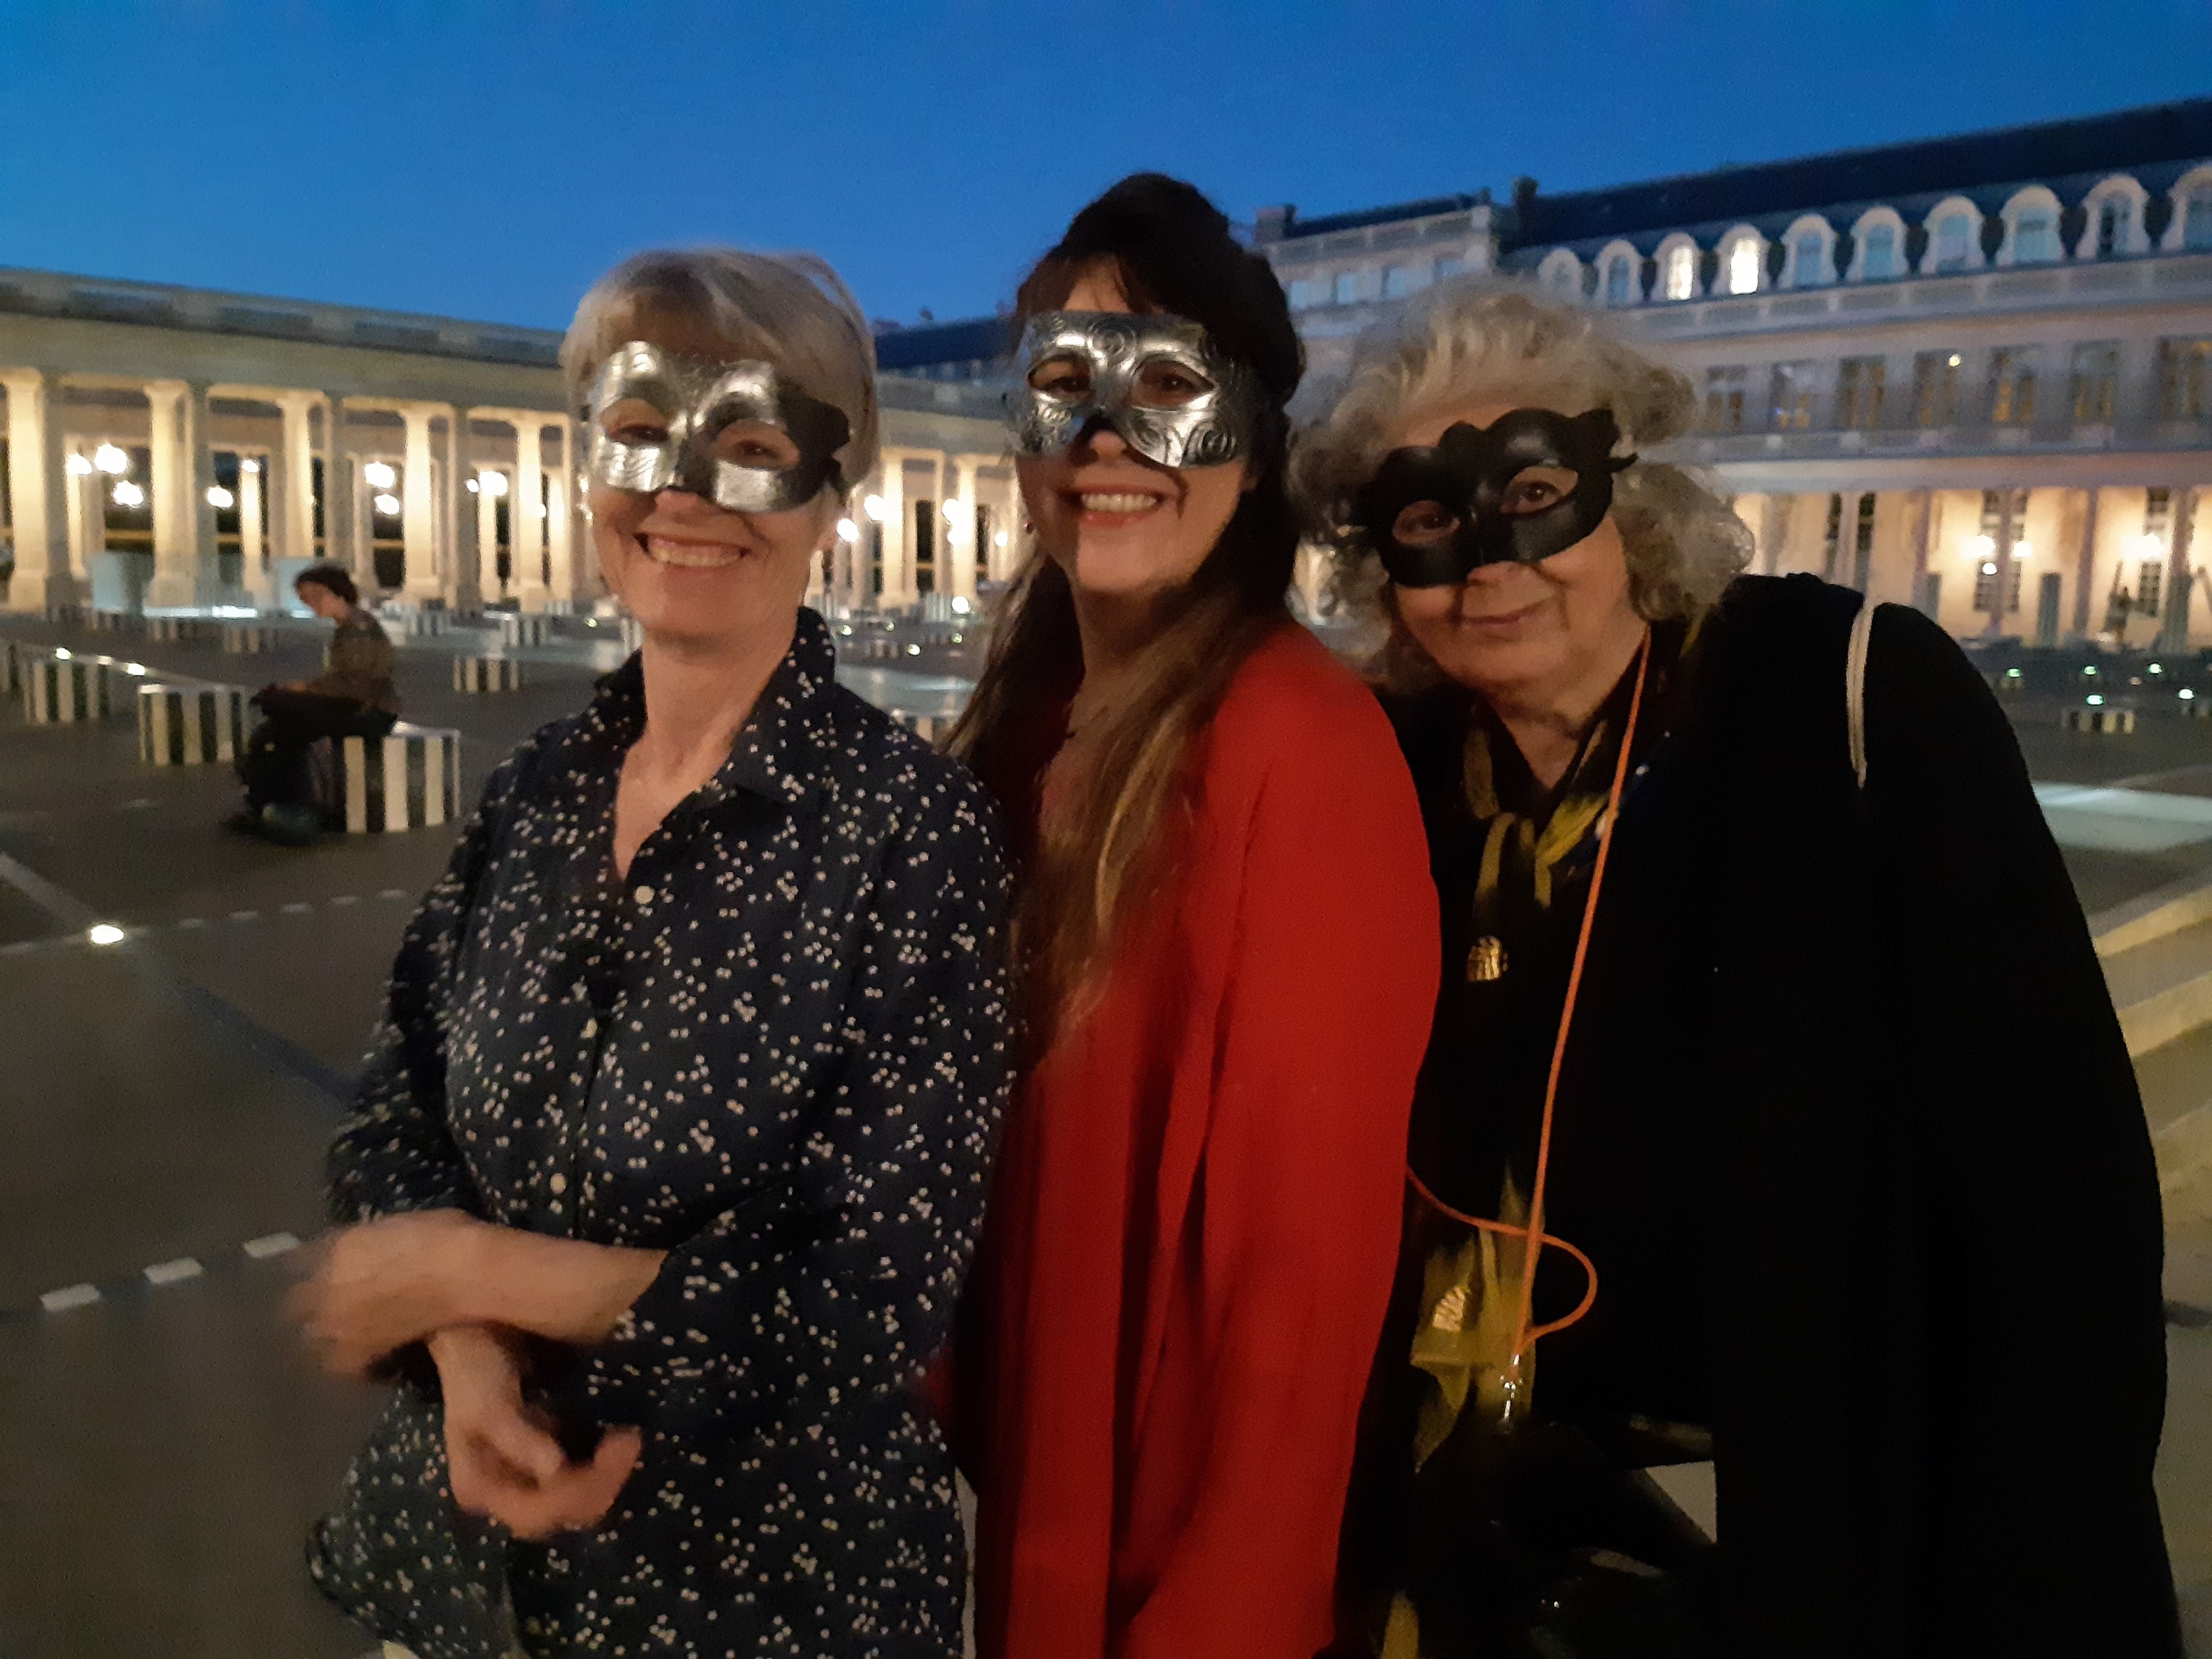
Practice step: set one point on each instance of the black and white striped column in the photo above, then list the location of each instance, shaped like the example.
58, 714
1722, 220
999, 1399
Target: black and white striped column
61, 690
179, 630
117, 622
482, 674
517, 631
248, 639
190, 725
2106, 720
408, 780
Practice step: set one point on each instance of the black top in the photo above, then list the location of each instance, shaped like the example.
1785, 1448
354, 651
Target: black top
1849, 1126
775, 1050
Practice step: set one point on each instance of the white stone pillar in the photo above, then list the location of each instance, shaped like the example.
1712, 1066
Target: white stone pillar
418, 509
2085, 565
171, 439
1004, 562
341, 544
525, 528
287, 476
39, 508
897, 569
560, 547
88, 514
960, 530
252, 568
458, 508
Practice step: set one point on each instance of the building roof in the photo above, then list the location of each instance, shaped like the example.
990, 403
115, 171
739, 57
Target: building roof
974, 339
1295, 227
2006, 155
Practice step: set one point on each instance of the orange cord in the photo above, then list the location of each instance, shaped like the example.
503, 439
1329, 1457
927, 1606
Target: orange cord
1523, 1335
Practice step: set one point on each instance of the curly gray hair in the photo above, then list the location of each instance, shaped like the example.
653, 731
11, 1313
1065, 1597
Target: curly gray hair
1467, 343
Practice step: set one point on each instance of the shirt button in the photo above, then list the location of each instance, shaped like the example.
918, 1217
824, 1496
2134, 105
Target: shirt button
641, 896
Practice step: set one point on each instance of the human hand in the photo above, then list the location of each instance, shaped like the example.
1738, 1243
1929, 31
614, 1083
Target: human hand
386, 1282
502, 1459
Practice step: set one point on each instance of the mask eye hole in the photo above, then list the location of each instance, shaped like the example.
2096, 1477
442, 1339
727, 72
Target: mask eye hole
1067, 378
1536, 489
633, 421
758, 445
1424, 523
1164, 383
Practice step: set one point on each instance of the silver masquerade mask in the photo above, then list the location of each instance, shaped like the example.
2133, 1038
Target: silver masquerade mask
1156, 380
693, 403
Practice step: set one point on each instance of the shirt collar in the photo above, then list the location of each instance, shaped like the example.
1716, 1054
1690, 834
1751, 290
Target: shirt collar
780, 751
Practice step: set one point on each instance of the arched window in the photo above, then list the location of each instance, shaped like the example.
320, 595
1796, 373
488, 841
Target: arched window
2112, 220
1812, 257
1562, 274
1678, 268
1954, 238
1623, 274
2031, 228
2190, 229
1878, 251
1743, 260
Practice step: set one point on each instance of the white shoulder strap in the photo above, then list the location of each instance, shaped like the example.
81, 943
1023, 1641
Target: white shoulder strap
1855, 667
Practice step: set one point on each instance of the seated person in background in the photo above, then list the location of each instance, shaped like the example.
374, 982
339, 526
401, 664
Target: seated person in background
354, 696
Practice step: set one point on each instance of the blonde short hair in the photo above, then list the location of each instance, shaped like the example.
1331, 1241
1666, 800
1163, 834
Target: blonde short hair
1468, 344
788, 309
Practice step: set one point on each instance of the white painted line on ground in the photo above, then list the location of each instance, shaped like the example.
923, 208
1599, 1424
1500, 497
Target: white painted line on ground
192, 922
245, 915
169, 1273
346, 898
70, 1296
298, 909
393, 893
23, 948
269, 1245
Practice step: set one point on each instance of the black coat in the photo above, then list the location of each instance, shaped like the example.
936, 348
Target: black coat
1845, 1063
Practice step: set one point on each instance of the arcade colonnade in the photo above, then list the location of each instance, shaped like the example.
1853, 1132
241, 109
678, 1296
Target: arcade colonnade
927, 525
317, 476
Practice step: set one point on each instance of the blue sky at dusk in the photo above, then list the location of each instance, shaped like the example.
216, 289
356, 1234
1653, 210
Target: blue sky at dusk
488, 159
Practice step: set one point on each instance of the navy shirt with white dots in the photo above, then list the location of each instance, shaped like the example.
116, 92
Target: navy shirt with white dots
777, 1050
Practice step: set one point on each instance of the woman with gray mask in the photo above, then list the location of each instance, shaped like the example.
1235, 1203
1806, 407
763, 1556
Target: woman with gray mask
1769, 1012
660, 1184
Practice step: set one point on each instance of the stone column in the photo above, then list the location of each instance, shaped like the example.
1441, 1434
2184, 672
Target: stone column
2085, 567
83, 485
36, 481
1004, 562
418, 507
960, 536
526, 530
459, 509
560, 545
339, 519
252, 572
897, 569
2001, 556
2173, 631
1922, 513
292, 480
1773, 531
178, 498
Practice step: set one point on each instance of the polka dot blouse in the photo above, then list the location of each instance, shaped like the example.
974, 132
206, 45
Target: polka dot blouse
776, 1050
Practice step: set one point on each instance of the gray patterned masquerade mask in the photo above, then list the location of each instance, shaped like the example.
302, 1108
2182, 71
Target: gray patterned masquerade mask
693, 402
1156, 380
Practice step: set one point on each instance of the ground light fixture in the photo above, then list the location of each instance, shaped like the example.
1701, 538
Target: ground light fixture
104, 933
2186, 694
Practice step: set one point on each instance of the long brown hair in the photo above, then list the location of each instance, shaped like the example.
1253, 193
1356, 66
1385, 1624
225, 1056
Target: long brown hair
1172, 251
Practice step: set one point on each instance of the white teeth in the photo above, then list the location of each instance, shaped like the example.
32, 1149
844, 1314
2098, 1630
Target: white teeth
692, 555
1118, 503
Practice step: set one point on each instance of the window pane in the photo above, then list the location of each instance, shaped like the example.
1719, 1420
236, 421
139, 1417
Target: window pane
1447, 267
2035, 238
1880, 253
1301, 295
1682, 271
1812, 260
1724, 398
1793, 396
2197, 227
1397, 282
1347, 287
1618, 282
1951, 242
1744, 267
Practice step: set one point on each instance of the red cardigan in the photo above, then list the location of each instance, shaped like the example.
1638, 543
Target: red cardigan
1195, 1216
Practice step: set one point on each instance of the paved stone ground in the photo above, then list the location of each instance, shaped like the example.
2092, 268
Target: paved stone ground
167, 1099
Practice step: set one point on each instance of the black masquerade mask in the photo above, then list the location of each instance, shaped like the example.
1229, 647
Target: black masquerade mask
1531, 483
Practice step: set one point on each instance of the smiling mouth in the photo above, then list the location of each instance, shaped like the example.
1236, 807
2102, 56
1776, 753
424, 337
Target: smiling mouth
690, 555
1502, 618
1114, 507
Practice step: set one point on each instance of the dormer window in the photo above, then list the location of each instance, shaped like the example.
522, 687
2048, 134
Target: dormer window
1954, 232
1743, 261
2034, 239
1810, 260
1681, 276
2115, 217
1879, 250
1620, 281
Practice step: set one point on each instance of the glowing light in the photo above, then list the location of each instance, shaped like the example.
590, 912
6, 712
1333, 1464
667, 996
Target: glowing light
2186, 694
387, 505
2149, 546
954, 510
543, 510
2157, 668
1003, 539
127, 494
2095, 701
219, 497
847, 530
494, 484
111, 460
960, 605
78, 467
873, 506
1980, 547
914, 651
1990, 568
2090, 669
381, 475
61, 656
1743, 266
134, 667
104, 933
1954, 360
2022, 549
247, 463
470, 484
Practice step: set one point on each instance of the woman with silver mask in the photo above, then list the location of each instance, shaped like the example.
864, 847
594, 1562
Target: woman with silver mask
1769, 1014
672, 1149
1228, 949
